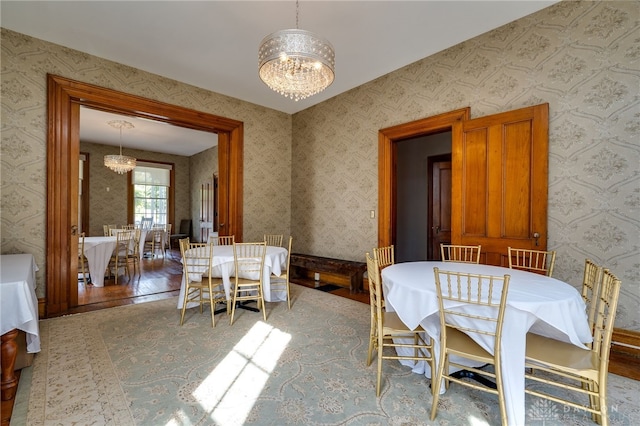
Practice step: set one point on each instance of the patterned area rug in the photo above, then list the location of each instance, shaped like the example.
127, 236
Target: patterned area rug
135, 365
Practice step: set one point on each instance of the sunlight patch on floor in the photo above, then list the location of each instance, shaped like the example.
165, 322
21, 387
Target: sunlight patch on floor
230, 391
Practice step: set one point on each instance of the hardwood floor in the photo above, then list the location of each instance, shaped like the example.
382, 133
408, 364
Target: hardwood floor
160, 279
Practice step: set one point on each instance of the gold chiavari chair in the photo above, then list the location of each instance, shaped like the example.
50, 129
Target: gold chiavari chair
388, 331
458, 253
274, 240
538, 261
221, 240
590, 286
461, 297
200, 286
124, 241
82, 260
281, 282
249, 263
567, 363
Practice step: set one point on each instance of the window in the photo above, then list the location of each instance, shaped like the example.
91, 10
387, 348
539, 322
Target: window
151, 184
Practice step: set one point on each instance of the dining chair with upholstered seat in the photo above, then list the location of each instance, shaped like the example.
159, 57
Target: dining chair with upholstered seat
184, 231
248, 259
388, 331
281, 282
221, 240
124, 241
459, 253
568, 364
82, 260
470, 304
538, 261
274, 240
200, 286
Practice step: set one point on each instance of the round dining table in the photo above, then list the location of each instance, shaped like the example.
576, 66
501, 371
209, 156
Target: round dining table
223, 266
535, 303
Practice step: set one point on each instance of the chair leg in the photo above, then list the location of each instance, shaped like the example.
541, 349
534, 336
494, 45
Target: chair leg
379, 378
372, 339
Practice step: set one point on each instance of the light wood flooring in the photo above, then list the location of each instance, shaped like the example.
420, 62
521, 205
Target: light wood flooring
160, 279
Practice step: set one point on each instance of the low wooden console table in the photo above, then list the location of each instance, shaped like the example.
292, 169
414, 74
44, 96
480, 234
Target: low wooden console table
18, 311
354, 270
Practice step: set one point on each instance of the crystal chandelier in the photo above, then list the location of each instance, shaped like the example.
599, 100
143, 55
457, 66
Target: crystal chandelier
120, 163
296, 63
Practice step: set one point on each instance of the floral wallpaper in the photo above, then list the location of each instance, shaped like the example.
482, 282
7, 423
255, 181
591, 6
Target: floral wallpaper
580, 57
25, 62
314, 174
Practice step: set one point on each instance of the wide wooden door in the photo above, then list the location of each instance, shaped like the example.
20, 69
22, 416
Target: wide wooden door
500, 179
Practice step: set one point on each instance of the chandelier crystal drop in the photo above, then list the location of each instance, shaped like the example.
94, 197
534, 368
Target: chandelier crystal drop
296, 63
120, 163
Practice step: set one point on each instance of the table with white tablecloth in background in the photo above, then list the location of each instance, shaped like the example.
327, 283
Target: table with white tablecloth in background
535, 303
98, 251
275, 261
18, 311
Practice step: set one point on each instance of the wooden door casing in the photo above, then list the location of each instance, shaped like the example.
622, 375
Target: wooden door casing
500, 179
64, 97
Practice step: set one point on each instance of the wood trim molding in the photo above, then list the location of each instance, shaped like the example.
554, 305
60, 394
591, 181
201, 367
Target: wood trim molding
387, 139
624, 357
64, 98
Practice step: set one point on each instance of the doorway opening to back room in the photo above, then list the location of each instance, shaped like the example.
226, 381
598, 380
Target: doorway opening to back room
423, 194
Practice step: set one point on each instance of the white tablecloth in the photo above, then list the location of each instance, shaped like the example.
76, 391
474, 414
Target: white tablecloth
535, 303
18, 299
98, 251
223, 266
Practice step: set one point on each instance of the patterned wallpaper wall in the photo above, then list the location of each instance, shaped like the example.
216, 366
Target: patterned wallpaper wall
25, 62
110, 207
580, 57
315, 173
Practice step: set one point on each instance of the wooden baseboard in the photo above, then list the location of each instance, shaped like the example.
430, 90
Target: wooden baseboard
624, 356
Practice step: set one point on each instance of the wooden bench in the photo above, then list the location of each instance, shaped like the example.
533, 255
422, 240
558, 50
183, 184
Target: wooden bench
354, 270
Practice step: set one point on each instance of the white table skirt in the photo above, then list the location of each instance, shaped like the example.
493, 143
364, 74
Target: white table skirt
223, 266
18, 301
98, 251
535, 303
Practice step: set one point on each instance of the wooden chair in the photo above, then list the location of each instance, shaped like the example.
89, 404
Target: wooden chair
82, 260
537, 261
479, 302
224, 240
274, 240
146, 223
458, 253
281, 282
200, 286
566, 362
249, 263
106, 230
388, 331
166, 238
124, 241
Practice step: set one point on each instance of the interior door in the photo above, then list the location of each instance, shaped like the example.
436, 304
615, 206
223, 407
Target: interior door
440, 207
500, 179
206, 210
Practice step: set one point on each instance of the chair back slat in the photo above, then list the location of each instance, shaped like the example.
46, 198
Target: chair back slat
538, 261
459, 253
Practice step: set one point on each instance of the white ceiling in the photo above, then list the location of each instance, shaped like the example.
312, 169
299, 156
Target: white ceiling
214, 44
